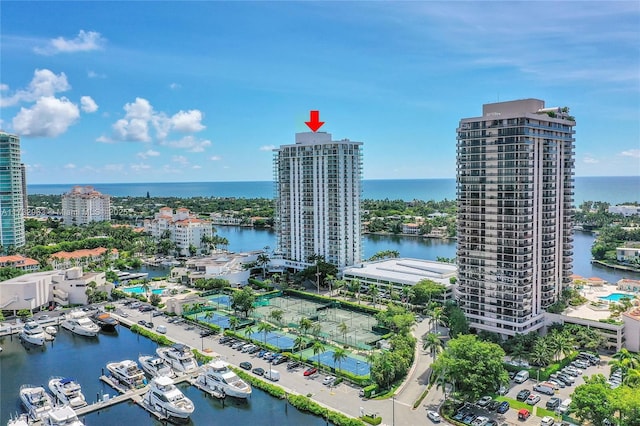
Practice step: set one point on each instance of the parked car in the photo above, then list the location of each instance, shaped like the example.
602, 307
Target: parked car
493, 405
329, 380
162, 329
480, 421
261, 353
533, 399
523, 414
544, 389
156, 314
503, 390
492, 423
148, 324
469, 418
564, 406
245, 365
292, 365
433, 416
310, 371
238, 345
272, 375
258, 371
247, 347
484, 401
521, 377
279, 360
547, 421
254, 350
224, 339
523, 395
503, 407
553, 403
142, 322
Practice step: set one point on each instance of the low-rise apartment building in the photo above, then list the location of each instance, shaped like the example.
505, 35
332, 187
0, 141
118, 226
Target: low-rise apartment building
19, 262
66, 260
182, 227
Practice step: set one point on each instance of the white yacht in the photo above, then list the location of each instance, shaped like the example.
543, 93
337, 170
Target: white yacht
127, 373
51, 330
218, 377
33, 333
67, 391
155, 366
179, 357
62, 416
165, 397
21, 420
36, 401
79, 323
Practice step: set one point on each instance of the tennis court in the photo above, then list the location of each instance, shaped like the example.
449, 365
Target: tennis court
220, 300
211, 317
336, 324
352, 364
276, 338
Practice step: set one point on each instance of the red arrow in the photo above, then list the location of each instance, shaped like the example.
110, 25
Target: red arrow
314, 122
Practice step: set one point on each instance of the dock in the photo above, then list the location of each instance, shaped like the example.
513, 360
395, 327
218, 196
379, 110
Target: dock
214, 393
135, 395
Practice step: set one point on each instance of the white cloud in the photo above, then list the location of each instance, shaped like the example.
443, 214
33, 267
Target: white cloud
180, 159
117, 167
140, 118
69, 166
148, 153
93, 74
195, 166
174, 86
635, 153
49, 117
85, 41
590, 160
139, 167
267, 148
189, 143
44, 83
167, 168
215, 158
88, 104
4, 87
187, 122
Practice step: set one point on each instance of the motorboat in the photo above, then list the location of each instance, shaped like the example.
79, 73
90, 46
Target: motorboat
166, 398
51, 330
21, 420
78, 322
67, 391
217, 376
155, 366
33, 333
127, 373
36, 401
62, 416
179, 357
105, 321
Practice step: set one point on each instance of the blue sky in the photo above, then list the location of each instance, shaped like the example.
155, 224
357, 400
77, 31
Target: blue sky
202, 91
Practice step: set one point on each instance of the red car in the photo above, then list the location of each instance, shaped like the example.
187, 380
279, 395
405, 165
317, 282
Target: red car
310, 371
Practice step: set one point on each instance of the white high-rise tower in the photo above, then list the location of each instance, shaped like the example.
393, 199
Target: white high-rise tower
318, 193
515, 212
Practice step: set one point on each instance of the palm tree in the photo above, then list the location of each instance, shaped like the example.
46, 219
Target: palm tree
233, 323
317, 349
330, 279
342, 328
316, 329
355, 287
373, 291
248, 331
265, 328
299, 343
632, 378
305, 325
540, 355
625, 360
146, 287
518, 352
339, 355
263, 260
437, 315
431, 342
208, 315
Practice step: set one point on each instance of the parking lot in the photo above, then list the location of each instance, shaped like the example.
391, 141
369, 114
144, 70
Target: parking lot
484, 410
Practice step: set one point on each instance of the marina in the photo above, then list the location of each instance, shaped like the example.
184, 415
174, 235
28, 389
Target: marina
85, 360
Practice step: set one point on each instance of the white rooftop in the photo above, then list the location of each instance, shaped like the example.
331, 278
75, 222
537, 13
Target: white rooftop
404, 271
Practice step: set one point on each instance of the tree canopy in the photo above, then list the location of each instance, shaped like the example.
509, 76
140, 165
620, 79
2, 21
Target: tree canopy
474, 367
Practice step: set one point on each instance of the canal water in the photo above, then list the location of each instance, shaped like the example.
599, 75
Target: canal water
84, 358
244, 239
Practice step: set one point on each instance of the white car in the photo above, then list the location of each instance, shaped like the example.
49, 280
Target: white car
433, 416
480, 421
547, 421
329, 380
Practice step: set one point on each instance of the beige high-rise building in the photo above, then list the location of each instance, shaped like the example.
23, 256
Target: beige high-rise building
83, 204
515, 183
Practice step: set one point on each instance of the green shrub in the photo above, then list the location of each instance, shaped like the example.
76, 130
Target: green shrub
372, 420
158, 338
370, 390
329, 300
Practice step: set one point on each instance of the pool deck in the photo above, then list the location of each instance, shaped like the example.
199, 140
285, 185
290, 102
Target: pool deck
593, 294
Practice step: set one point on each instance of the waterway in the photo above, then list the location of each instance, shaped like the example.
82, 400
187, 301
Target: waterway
244, 239
84, 358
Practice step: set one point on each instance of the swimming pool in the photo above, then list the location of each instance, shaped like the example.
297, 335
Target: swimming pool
615, 297
140, 290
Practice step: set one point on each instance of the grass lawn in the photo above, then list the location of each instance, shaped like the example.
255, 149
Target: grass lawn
517, 405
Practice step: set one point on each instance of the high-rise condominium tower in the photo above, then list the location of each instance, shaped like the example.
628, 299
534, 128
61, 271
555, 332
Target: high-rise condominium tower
83, 204
515, 210
11, 197
318, 192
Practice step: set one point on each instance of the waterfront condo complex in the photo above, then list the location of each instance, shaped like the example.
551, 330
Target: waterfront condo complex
318, 193
83, 204
182, 227
11, 192
515, 199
